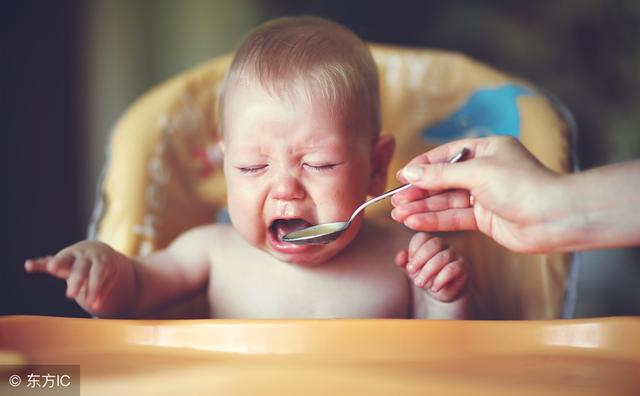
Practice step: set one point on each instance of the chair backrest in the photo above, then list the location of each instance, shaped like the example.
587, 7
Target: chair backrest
163, 175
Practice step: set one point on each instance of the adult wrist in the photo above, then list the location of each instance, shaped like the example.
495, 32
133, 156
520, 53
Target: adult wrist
563, 204
572, 223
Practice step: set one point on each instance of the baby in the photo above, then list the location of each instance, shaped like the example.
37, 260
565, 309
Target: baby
300, 120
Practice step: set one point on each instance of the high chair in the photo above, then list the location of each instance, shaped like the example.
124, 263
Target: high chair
163, 174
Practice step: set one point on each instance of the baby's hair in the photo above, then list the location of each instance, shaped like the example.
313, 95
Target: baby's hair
309, 58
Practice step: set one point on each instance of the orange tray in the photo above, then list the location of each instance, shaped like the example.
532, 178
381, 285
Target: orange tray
353, 357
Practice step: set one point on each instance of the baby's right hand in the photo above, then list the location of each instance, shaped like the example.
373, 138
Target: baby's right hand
90, 268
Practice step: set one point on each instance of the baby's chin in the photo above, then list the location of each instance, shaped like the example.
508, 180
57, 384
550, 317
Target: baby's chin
317, 256
312, 255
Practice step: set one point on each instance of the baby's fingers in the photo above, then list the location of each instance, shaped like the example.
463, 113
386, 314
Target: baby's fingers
450, 281
420, 255
402, 258
451, 271
434, 266
97, 285
60, 265
417, 241
37, 265
78, 277
57, 266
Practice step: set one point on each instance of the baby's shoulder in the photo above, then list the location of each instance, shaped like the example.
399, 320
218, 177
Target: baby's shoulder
208, 234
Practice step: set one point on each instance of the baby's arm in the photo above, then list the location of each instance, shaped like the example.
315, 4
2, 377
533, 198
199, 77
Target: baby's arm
439, 276
109, 284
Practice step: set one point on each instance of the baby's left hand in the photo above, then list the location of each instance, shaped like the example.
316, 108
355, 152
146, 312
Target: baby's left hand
434, 267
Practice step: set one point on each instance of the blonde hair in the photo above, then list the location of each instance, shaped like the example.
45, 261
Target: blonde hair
310, 58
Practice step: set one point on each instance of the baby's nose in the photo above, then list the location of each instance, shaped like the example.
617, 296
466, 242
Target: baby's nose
287, 187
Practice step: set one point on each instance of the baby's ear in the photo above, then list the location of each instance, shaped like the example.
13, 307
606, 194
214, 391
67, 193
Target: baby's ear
220, 150
381, 154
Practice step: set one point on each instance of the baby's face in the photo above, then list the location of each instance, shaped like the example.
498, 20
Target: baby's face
288, 166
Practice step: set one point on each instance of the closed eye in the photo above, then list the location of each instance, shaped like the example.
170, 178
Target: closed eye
251, 170
320, 168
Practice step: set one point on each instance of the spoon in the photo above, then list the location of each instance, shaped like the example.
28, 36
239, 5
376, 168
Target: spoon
328, 232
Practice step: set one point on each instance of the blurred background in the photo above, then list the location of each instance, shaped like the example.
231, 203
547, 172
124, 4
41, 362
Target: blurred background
70, 68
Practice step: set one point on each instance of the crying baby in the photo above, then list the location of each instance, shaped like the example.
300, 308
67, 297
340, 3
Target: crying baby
300, 124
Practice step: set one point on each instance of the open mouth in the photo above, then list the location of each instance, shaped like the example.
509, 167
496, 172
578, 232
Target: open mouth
282, 227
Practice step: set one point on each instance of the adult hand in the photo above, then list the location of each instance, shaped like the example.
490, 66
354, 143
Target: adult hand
500, 189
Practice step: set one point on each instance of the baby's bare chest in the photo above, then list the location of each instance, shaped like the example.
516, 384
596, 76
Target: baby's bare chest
241, 288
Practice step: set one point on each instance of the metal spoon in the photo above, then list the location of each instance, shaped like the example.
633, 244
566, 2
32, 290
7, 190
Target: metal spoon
329, 232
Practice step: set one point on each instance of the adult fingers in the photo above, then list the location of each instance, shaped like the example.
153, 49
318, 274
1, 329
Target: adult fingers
445, 152
447, 220
409, 195
455, 199
431, 170
443, 176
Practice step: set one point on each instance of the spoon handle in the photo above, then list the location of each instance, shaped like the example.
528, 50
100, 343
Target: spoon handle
384, 195
378, 198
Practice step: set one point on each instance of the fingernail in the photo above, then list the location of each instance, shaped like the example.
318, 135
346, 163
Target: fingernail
413, 172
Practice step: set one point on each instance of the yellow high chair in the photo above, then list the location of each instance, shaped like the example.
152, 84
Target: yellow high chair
164, 174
